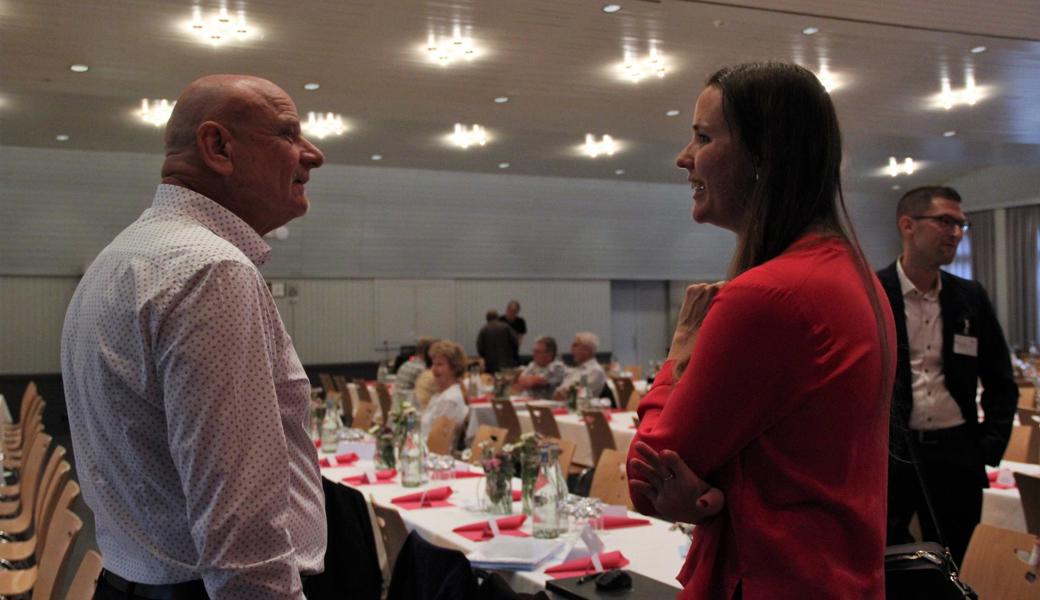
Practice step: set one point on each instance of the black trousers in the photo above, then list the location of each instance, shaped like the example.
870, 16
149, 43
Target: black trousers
955, 475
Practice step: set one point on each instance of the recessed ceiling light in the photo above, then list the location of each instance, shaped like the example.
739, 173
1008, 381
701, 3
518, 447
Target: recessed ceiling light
619, 171
377, 157
61, 137
978, 49
501, 99
896, 187
611, 8
310, 87
811, 30
503, 165
78, 68
671, 113
949, 133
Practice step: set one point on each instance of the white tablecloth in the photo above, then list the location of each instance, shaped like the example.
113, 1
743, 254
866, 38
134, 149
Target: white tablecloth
572, 427
1003, 508
652, 549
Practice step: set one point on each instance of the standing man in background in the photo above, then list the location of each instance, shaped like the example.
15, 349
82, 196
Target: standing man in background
497, 344
517, 324
187, 402
948, 341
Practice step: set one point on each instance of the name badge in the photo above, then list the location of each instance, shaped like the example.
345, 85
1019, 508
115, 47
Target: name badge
966, 345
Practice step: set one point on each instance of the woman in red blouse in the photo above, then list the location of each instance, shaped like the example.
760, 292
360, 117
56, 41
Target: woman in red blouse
768, 424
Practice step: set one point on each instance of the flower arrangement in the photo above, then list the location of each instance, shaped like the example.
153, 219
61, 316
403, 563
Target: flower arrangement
525, 455
498, 478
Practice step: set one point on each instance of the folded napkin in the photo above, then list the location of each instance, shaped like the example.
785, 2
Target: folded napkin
560, 410
481, 530
467, 474
993, 483
615, 522
480, 400
517, 495
340, 460
581, 566
386, 476
432, 498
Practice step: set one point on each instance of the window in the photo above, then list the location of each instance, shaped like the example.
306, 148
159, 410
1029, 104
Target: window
961, 265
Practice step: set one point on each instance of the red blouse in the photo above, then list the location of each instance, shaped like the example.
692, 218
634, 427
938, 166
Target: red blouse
781, 408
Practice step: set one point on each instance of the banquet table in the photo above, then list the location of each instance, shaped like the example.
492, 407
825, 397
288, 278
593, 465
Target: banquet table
572, 428
653, 550
1003, 507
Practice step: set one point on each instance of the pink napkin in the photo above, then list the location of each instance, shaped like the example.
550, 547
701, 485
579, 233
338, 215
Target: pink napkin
581, 566
481, 530
995, 485
317, 443
615, 522
432, 498
386, 476
559, 410
517, 495
342, 460
480, 400
467, 474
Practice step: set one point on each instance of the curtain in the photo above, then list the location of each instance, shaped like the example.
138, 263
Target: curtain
983, 250
1023, 227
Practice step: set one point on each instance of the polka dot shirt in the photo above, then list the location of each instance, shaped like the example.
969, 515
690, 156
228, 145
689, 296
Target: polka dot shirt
187, 405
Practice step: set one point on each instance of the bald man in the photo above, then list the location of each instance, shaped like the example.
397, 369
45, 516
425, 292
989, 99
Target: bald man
186, 399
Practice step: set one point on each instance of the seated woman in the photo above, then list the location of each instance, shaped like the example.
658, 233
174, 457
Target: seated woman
449, 363
768, 424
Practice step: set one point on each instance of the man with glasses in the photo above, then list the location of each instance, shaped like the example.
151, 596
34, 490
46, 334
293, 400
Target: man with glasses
949, 340
544, 374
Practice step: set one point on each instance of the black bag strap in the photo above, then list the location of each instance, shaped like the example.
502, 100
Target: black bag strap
924, 489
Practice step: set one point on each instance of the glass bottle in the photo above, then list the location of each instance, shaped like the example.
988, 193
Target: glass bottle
583, 393
412, 457
546, 510
329, 428
561, 488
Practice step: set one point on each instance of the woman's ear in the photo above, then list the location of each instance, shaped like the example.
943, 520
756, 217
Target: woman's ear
214, 144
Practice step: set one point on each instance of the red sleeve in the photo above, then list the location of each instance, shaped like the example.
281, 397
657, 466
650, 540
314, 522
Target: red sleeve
754, 355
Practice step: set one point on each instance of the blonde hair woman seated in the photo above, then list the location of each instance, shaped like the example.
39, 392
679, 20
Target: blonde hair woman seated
449, 363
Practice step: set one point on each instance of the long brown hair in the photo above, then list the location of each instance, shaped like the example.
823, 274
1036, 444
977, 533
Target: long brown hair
785, 119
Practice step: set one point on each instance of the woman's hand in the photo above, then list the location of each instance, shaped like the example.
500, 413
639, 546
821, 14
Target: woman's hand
691, 316
676, 492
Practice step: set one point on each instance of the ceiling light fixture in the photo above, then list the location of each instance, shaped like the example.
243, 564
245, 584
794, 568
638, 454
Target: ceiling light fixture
501, 99
219, 27
310, 87
606, 145
896, 168
444, 50
949, 133
61, 137
79, 68
969, 94
611, 8
635, 69
503, 165
377, 157
322, 126
671, 113
811, 30
157, 112
464, 138
978, 49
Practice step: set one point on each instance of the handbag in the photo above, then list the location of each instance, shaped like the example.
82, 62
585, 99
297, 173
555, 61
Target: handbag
923, 569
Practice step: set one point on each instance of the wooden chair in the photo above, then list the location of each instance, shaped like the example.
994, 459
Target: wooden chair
635, 370
52, 481
1024, 445
544, 421
600, 436
327, 383
30, 414
441, 439
29, 482
505, 415
496, 436
33, 422
364, 415
623, 388
1026, 397
633, 401
346, 401
41, 577
610, 482
386, 403
1028, 416
567, 448
85, 580
392, 531
1029, 494
995, 564
362, 391
23, 409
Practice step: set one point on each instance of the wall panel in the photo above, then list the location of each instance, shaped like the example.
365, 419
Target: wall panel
32, 310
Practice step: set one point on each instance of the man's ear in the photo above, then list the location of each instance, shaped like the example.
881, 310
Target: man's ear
214, 144
905, 224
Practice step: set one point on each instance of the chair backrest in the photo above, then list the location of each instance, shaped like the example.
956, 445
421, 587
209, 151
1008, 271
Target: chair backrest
994, 565
633, 401
623, 387
1024, 445
346, 401
635, 370
386, 403
61, 534
600, 436
32, 469
544, 421
392, 530
567, 448
1029, 416
362, 390
441, 439
505, 416
1026, 396
28, 395
61, 493
364, 415
1029, 493
496, 436
85, 580
47, 479
327, 383
610, 482
33, 421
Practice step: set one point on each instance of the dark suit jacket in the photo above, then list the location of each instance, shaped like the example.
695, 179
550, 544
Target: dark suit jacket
966, 310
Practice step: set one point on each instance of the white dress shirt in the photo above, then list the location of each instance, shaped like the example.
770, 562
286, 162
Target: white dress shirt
934, 407
448, 402
188, 405
594, 374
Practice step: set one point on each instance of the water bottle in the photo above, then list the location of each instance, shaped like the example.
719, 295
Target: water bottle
545, 512
411, 459
329, 428
583, 394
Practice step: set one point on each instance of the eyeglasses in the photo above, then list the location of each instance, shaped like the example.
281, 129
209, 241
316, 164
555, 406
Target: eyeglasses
946, 221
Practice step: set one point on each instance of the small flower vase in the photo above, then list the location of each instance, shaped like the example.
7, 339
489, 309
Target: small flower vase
386, 452
528, 477
499, 489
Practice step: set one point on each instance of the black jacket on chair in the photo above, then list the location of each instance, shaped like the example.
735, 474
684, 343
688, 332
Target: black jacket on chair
966, 310
427, 572
351, 561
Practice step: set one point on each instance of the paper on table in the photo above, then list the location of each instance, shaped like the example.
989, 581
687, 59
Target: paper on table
513, 554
